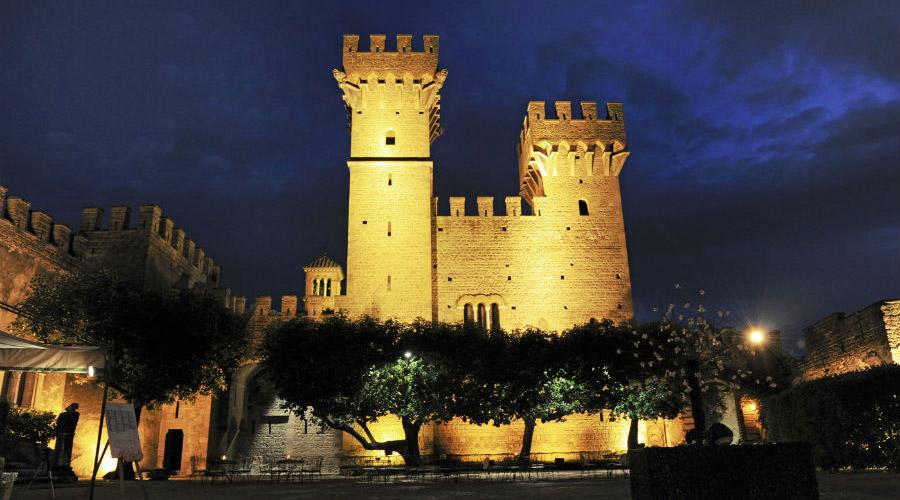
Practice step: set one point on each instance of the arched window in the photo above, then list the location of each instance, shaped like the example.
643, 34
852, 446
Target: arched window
495, 317
482, 316
582, 207
322, 286
315, 290
468, 313
328, 287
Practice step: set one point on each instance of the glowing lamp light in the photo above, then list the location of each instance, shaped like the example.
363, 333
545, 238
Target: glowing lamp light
757, 336
407, 354
92, 372
751, 407
224, 457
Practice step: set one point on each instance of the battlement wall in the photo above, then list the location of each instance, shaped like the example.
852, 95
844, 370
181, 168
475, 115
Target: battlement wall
552, 270
565, 126
152, 222
841, 343
52, 240
401, 61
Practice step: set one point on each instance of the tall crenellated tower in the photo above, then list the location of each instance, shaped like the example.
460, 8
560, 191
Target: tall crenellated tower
392, 100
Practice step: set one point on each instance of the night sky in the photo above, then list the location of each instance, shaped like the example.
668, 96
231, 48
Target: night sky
765, 139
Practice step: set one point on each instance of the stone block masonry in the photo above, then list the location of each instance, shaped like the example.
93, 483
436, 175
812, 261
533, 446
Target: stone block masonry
841, 343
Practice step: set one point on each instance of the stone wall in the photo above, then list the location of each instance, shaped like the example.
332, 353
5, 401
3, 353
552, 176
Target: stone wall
30, 244
841, 342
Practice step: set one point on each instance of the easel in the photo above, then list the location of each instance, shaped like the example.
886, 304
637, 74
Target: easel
45, 462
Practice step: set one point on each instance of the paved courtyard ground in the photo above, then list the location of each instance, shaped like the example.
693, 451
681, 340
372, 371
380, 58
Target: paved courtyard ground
862, 486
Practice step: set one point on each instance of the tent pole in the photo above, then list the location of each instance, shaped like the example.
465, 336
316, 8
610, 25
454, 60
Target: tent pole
99, 438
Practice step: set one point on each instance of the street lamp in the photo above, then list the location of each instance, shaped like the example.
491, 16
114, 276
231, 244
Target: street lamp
407, 354
756, 336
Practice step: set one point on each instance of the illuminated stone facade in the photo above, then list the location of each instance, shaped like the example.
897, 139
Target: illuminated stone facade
150, 252
559, 262
841, 343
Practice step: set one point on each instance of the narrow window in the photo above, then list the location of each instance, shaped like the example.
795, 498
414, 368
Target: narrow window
468, 314
495, 317
328, 288
177, 408
538, 116
389, 283
322, 286
389, 228
315, 290
390, 180
390, 138
582, 207
482, 316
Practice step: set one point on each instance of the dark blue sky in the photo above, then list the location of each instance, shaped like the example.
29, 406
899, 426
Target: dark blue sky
765, 138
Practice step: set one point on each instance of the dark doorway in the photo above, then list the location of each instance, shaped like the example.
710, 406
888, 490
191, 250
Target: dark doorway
172, 452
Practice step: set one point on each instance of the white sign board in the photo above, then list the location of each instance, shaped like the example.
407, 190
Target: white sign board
121, 427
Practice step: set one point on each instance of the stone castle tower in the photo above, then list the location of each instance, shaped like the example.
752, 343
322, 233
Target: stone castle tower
392, 101
563, 263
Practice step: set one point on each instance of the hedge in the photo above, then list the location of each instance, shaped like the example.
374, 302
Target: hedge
757, 472
851, 420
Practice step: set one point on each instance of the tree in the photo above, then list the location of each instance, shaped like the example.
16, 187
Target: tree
350, 373
161, 346
519, 375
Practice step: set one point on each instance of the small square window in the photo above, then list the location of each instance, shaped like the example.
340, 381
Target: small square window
509, 278
449, 278
562, 277
568, 228
504, 229
390, 141
365, 222
513, 307
440, 229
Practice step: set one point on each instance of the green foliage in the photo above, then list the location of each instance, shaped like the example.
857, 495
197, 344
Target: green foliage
162, 346
34, 426
851, 420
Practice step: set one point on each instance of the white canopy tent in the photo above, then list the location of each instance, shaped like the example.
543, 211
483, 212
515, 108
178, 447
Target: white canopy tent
18, 354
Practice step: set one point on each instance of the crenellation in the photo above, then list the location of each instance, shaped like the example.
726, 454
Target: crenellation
513, 206
199, 256
119, 217
91, 218
208, 266
263, 305
178, 241
149, 216
41, 225
563, 110
589, 110
19, 212
288, 306
166, 227
62, 237
189, 249
485, 206
376, 43
400, 62
457, 206
240, 305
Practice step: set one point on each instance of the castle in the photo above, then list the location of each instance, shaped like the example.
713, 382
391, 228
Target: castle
557, 260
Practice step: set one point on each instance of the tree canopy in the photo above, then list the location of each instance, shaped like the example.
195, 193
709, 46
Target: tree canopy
161, 346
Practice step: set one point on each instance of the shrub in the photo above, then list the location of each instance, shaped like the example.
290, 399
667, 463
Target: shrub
34, 426
851, 420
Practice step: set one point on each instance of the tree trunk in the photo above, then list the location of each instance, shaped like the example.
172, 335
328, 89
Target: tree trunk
693, 367
527, 436
633, 432
412, 457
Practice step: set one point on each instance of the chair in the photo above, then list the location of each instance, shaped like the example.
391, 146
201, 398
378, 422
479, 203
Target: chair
311, 466
242, 467
197, 470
